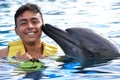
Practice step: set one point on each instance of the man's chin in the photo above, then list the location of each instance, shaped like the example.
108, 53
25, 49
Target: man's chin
31, 41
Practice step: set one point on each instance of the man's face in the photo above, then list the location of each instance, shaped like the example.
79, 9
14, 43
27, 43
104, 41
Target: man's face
29, 26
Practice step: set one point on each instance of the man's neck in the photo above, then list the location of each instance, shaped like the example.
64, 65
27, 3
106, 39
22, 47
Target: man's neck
34, 49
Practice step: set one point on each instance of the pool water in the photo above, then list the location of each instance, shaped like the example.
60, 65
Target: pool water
100, 15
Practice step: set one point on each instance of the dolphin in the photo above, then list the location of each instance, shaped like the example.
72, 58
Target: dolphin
83, 44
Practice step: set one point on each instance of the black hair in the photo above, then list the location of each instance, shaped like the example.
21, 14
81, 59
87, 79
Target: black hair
31, 7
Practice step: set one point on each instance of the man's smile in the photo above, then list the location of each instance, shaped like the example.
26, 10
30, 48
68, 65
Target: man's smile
30, 33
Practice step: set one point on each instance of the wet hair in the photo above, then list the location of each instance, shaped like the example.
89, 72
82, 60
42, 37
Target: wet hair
30, 7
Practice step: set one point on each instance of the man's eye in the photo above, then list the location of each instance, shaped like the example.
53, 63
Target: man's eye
23, 23
34, 22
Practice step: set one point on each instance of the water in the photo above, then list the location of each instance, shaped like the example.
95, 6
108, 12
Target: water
101, 15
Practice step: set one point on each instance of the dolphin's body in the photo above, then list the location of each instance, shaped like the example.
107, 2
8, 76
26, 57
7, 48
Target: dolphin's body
83, 44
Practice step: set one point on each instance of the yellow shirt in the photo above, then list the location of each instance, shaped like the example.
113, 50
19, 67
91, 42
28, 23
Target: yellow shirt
16, 46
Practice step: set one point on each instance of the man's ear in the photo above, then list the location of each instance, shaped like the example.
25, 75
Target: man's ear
16, 30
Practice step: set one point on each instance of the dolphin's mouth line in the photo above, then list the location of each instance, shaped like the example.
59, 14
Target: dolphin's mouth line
47, 30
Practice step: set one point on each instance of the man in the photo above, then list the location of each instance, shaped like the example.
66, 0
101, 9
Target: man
28, 23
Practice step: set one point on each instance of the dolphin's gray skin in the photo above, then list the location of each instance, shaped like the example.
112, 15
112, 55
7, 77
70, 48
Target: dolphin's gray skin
83, 44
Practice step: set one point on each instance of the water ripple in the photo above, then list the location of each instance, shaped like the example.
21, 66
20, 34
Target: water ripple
101, 15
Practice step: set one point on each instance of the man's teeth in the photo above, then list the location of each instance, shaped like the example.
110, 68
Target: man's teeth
31, 33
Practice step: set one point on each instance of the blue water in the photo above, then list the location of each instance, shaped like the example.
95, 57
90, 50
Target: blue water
101, 15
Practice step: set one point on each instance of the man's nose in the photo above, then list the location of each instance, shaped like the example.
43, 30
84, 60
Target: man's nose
30, 25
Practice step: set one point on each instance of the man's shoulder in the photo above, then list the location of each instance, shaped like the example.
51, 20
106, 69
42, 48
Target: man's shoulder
49, 49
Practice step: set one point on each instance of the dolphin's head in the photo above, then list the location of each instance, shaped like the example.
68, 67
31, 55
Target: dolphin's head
68, 44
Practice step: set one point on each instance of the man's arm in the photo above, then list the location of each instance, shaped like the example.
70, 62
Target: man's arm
4, 52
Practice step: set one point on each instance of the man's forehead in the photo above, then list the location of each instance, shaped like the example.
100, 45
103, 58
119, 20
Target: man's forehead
29, 15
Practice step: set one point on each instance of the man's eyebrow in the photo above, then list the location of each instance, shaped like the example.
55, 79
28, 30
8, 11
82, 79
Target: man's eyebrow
23, 20
26, 19
33, 18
